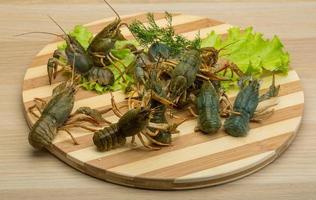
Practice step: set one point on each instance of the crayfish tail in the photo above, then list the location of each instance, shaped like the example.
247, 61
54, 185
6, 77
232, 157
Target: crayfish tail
108, 138
42, 133
237, 126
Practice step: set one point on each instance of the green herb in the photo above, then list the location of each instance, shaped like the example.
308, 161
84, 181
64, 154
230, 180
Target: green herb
147, 35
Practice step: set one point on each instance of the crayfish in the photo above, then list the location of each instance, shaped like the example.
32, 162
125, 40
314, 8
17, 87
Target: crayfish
245, 106
208, 106
56, 116
135, 122
193, 65
102, 44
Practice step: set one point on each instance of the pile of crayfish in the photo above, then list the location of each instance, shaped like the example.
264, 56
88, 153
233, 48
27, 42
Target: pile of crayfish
167, 83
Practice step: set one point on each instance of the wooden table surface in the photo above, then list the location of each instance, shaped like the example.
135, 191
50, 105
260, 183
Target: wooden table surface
25, 174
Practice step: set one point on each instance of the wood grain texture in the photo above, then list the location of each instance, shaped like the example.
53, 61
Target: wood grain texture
187, 156
293, 176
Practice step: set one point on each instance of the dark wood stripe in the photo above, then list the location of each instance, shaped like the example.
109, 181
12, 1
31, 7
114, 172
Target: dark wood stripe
213, 160
185, 141
218, 181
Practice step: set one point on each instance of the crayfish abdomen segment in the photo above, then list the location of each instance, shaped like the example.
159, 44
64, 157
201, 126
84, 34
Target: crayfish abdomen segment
103, 76
245, 104
43, 132
237, 125
207, 104
108, 138
210, 124
130, 124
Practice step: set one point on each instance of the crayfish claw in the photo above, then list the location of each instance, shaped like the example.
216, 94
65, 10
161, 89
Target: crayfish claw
273, 91
51, 69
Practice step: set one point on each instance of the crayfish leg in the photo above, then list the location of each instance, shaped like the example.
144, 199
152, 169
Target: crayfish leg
153, 140
192, 112
144, 143
69, 133
272, 92
32, 112
39, 105
115, 109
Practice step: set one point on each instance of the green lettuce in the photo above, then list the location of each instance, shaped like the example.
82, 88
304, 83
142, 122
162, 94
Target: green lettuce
250, 51
82, 35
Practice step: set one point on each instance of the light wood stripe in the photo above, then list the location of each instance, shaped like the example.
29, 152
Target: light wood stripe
220, 29
204, 149
226, 169
188, 138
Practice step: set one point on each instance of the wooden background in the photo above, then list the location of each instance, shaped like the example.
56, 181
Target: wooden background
31, 175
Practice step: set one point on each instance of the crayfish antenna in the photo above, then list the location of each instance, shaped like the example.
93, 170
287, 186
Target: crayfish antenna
63, 30
55, 22
112, 9
73, 70
227, 45
40, 32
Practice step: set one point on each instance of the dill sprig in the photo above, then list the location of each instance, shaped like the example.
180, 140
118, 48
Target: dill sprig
147, 35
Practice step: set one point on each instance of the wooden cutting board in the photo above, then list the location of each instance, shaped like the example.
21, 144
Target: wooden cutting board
194, 160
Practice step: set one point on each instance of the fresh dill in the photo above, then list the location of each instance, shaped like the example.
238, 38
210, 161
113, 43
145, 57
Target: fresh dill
152, 33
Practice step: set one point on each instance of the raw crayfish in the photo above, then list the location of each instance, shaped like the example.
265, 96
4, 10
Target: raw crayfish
102, 44
207, 103
56, 116
135, 122
245, 106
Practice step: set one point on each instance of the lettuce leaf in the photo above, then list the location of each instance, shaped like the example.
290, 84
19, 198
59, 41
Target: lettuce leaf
250, 51
122, 43
82, 35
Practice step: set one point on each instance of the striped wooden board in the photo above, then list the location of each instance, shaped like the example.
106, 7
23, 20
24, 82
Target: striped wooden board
194, 160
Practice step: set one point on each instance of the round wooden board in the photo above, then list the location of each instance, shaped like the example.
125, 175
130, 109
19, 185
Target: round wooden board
194, 160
